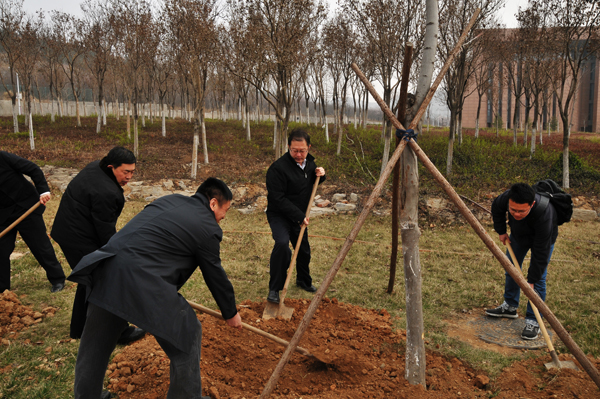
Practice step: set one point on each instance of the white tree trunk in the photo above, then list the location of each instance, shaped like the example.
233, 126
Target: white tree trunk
31, 137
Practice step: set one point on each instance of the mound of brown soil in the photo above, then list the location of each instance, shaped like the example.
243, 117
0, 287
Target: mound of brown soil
15, 317
365, 359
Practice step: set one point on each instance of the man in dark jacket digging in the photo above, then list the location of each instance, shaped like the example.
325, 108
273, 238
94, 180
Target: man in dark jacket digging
87, 218
290, 180
17, 195
533, 226
136, 278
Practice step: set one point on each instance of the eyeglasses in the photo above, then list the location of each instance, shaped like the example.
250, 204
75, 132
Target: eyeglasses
520, 212
295, 151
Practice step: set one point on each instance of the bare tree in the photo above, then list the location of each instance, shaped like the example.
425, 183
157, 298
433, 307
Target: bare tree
570, 36
340, 51
133, 26
454, 17
27, 63
384, 39
192, 24
284, 42
98, 40
11, 18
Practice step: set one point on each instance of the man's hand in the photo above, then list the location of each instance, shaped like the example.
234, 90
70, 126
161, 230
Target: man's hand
235, 321
320, 172
44, 198
304, 222
503, 238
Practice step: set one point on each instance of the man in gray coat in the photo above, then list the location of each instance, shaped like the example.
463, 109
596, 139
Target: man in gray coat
136, 276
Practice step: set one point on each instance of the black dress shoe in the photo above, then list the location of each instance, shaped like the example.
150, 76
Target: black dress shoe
305, 287
57, 287
105, 394
273, 296
130, 334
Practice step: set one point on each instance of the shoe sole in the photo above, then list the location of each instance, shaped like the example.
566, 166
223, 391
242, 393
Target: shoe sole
508, 316
530, 338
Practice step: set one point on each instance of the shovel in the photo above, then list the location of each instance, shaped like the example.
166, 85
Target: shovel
23, 216
555, 363
274, 310
258, 331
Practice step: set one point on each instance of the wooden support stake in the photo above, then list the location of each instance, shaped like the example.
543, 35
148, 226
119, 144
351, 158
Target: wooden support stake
408, 50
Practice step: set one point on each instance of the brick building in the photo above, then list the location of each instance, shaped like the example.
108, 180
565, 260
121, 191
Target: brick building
584, 113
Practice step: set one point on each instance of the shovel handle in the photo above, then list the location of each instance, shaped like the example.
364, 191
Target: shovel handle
258, 331
536, 312
23, 216
297, 248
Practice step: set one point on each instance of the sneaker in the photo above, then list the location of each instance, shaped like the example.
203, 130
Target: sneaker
503, 311
530, 331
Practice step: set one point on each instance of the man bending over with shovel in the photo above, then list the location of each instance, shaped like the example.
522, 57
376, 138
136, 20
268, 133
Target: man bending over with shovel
530, 228
289, 184
136, 276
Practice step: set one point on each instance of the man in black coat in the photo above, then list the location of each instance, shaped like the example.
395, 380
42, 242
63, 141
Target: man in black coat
533, 226
136, 278
87, 217
17, 195
290, 180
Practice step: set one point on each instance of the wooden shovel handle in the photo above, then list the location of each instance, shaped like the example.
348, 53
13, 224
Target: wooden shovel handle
535, 310
297, 248
23, 216
258, 331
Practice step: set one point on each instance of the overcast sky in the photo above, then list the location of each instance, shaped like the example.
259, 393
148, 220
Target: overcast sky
72, 7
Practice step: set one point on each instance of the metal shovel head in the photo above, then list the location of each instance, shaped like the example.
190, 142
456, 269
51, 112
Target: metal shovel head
275, 310
561, 365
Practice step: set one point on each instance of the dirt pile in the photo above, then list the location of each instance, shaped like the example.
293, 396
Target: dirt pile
365, 359
15, 317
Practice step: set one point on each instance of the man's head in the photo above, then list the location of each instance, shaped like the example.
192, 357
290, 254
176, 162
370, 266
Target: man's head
219, 196
122, 163
521, 198
298, 145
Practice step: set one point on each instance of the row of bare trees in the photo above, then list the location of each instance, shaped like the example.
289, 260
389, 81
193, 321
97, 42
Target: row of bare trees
539, 65
293, 55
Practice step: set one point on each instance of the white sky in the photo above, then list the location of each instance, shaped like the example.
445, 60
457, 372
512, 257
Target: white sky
73, 7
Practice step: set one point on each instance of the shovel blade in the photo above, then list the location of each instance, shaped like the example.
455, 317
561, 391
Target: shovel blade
561, 365
274, 310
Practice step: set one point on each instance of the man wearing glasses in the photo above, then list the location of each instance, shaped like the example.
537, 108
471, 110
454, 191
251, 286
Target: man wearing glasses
533, 226
289, 184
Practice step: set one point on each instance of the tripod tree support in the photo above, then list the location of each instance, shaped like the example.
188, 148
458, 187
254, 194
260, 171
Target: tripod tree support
312, 308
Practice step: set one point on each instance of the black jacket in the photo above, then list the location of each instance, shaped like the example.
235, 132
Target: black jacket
17, 195
137, 275
537, 233
89, 209
289, 187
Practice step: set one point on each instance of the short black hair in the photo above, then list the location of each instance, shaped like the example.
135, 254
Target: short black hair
215, 188
298, 134
521, 193
118, 156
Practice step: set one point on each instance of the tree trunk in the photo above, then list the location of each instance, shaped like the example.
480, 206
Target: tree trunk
566, 136
450, 146
415, 347
15, 116
204, 143
164, 122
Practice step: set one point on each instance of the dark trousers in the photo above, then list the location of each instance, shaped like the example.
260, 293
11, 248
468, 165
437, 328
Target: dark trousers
33, 232
100, 335
285, 232
512, 291
74, 255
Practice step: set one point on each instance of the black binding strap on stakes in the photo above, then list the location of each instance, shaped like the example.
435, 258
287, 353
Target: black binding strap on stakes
406, 134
